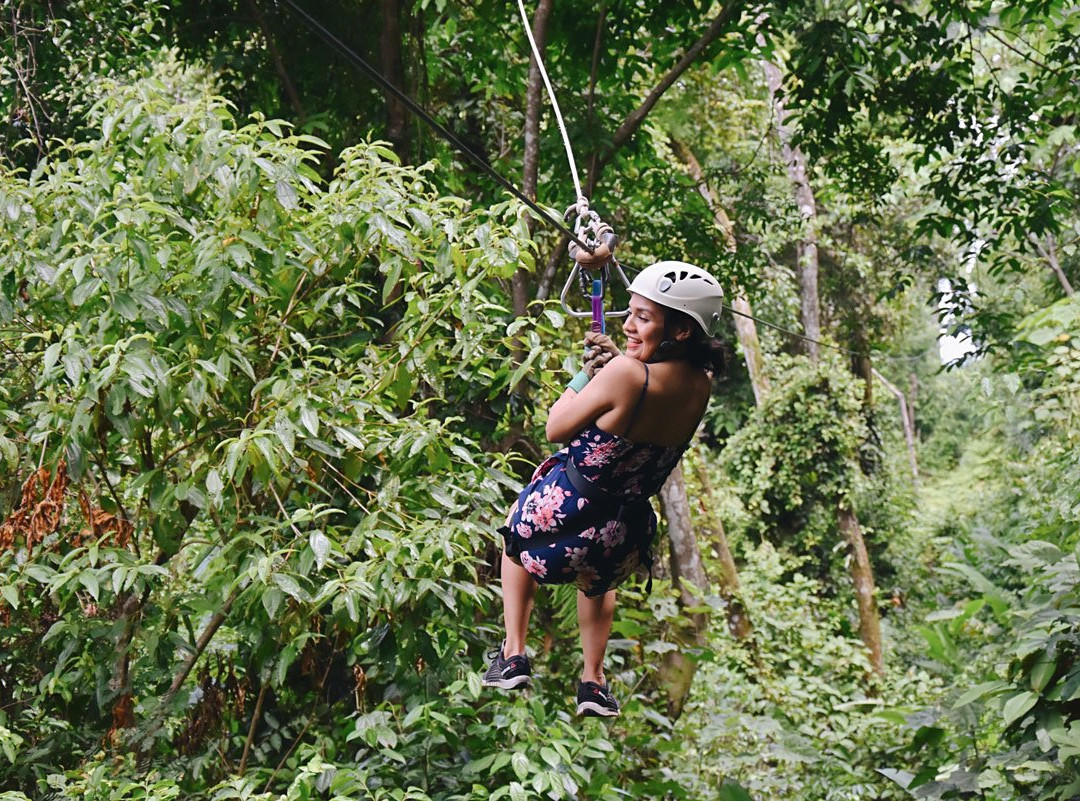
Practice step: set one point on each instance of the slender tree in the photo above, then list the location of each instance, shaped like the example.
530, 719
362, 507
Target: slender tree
807, 246
534, 99
687, 571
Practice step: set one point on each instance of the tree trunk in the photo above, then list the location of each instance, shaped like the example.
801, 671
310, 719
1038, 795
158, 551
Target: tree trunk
746, 332
531, 162
279, 63
908, 423
745, 327
807, 247
864, 369
686, 564
862, 577
676, 669
913, 399
738, 620
392, 67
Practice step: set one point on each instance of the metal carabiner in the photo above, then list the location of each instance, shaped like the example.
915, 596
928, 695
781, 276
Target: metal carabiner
586, 279
601, 240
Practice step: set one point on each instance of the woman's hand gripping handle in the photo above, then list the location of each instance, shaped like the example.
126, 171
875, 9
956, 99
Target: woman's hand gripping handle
599, 350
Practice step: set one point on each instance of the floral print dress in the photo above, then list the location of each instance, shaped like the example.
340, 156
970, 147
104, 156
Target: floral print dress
598, 537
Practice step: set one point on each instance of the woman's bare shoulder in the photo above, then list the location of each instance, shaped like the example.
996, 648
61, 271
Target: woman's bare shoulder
619, 371
621, 377
625, 366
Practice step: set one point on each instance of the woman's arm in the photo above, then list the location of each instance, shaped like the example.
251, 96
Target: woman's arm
612, 387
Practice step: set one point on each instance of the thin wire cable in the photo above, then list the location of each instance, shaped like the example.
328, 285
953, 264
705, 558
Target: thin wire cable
834, 346
791, 333
416, 109
554, 103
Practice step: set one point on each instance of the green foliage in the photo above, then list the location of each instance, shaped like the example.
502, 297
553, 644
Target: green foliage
51, 58
1008, 640
265, 470
796, 716
1008, 728
800, 449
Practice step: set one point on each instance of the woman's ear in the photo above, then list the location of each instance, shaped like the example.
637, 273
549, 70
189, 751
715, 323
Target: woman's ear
683, 330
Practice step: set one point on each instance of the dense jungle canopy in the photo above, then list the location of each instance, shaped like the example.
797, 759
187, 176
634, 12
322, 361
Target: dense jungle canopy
276, 358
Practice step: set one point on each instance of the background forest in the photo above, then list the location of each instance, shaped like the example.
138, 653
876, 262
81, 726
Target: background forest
276, 357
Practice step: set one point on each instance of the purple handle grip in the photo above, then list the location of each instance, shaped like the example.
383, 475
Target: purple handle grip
598, 306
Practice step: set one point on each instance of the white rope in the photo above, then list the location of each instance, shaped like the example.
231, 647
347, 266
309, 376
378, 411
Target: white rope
582, 201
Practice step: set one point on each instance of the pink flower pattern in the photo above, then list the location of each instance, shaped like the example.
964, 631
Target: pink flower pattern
596, 544
613, 533
543, 510
578, 557
538, 567
599, 455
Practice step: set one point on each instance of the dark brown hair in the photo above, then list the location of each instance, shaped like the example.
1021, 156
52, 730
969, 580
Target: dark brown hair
700, 349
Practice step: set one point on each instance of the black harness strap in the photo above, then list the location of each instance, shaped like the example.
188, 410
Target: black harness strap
589, 489
640, 400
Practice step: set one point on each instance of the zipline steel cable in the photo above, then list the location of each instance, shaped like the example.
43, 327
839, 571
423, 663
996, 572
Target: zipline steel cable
323, 32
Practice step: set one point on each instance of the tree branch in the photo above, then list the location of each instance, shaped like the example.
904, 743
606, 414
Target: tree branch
185, 670
633, 121
279, 64
251, 729
1049, 252
906, 421
1021, 53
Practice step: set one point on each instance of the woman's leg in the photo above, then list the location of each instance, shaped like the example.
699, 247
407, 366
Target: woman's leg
518, 589
594, 619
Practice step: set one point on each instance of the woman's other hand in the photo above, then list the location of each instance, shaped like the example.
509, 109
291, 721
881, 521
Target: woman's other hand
599, 350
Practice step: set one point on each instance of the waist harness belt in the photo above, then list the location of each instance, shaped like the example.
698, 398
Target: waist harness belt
589, 489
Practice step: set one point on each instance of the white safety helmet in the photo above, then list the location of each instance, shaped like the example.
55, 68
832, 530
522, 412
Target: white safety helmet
684, 287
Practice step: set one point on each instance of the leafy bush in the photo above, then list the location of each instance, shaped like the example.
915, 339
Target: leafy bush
250, 493
800, 449
793, 715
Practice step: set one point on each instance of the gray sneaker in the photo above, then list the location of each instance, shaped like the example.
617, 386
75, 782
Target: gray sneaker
596, 701
509, 673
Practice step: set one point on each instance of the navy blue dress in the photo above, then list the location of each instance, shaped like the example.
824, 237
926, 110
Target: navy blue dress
585, 516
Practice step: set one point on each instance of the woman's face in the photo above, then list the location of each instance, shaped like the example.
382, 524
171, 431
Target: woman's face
644, 328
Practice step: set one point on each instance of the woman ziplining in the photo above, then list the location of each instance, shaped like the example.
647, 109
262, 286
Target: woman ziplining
627, 428
585, 517
616, 473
